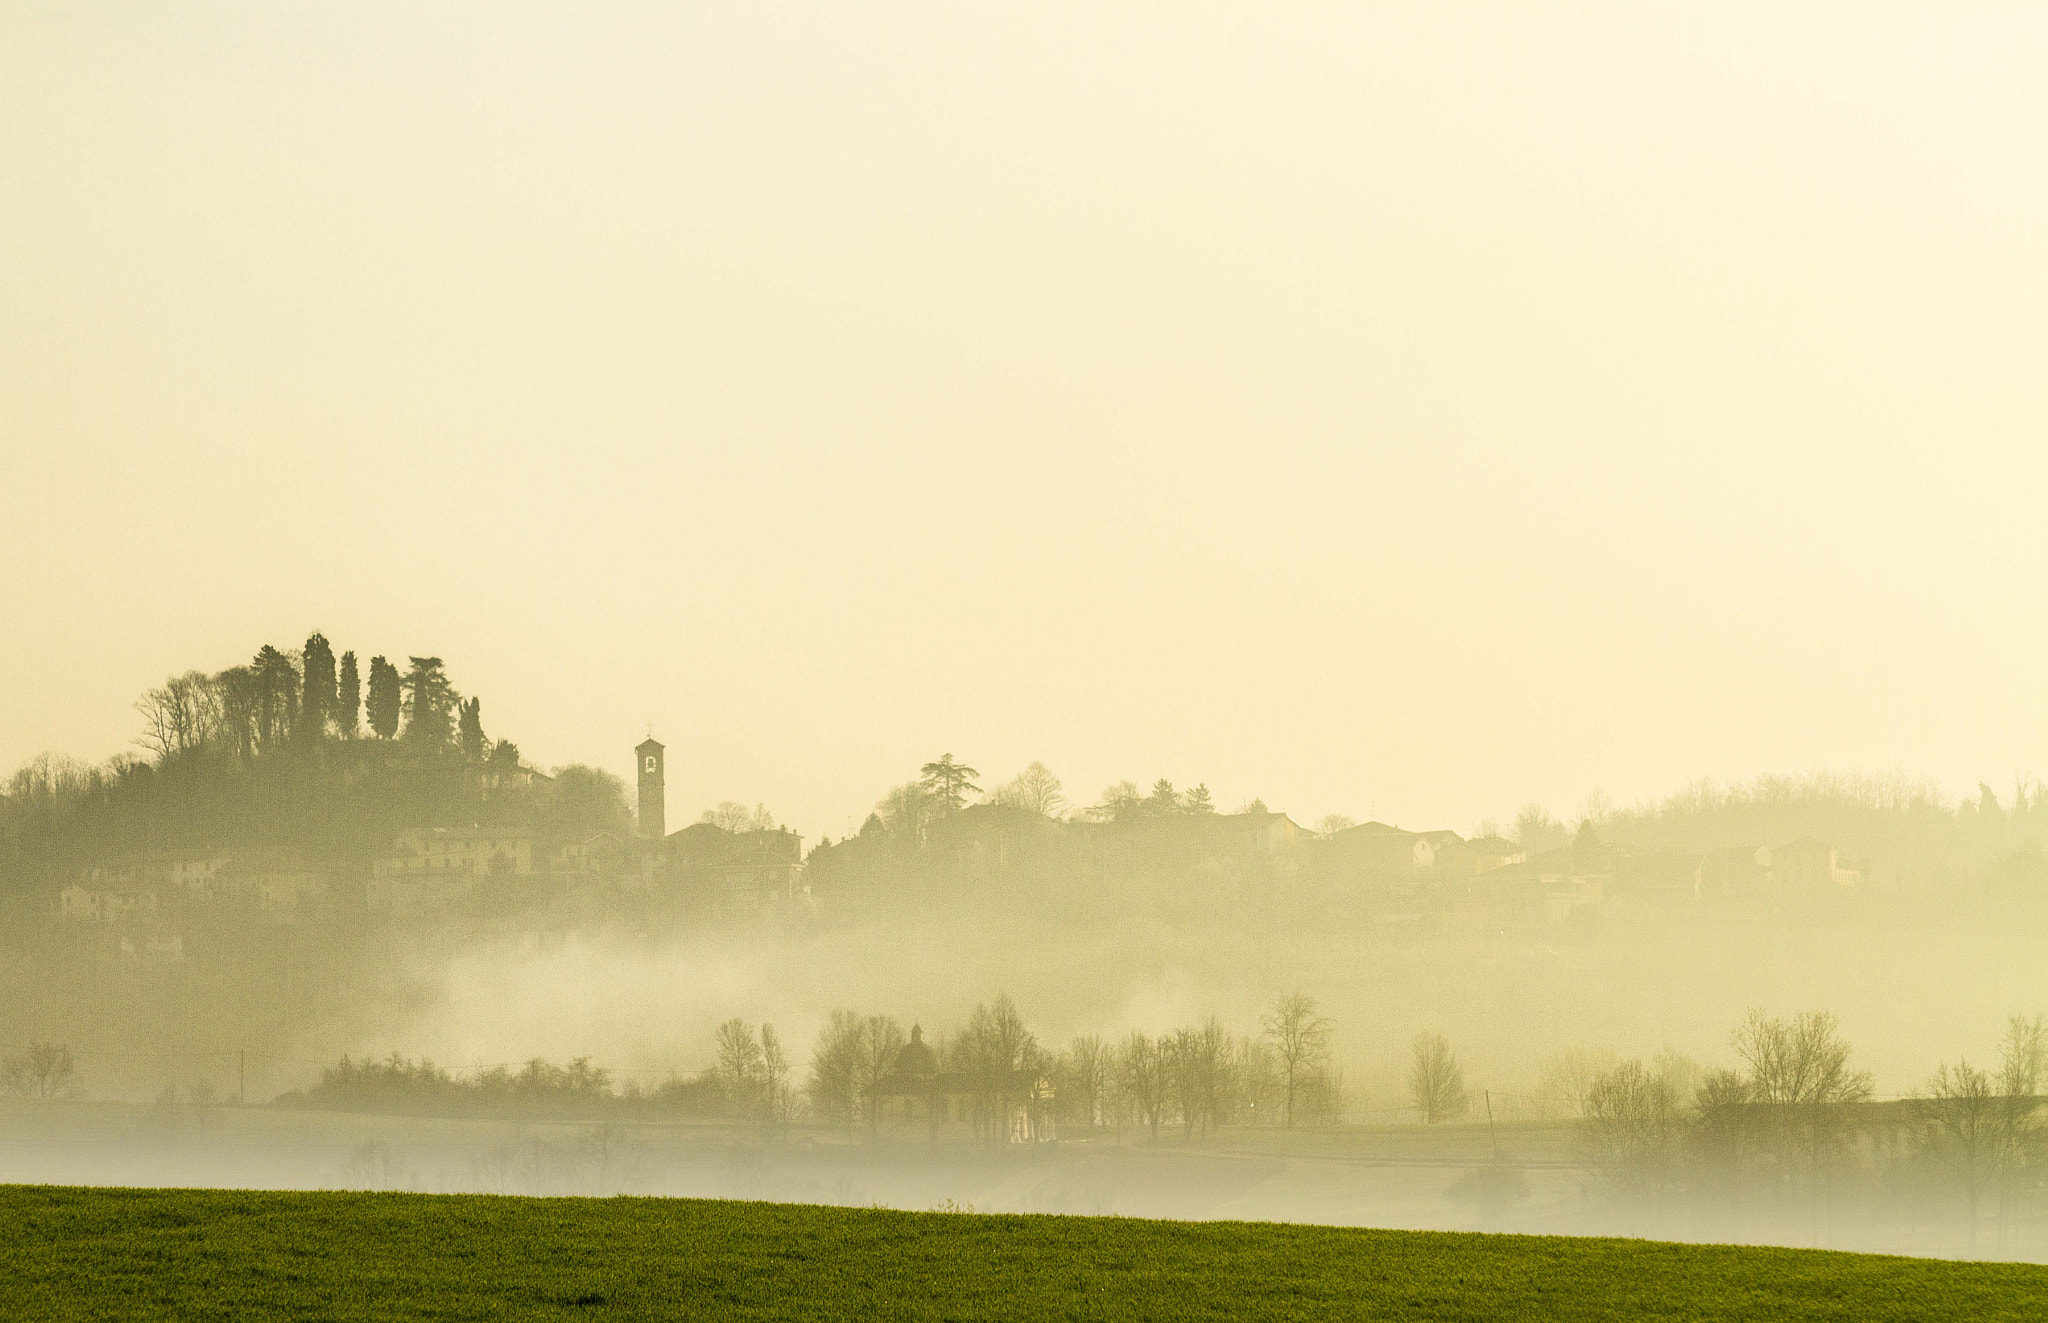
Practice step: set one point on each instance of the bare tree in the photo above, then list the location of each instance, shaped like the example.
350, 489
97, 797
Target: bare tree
1142, 1077
1799, 1070
1180, 1064
1332, 823
781, 1102
1322, 1094
1962, 1120
1536, 831
1085, 1078
181, 716
735, 817
1798, 1061
1632, 1128
1001, 1060
1255, 1077
1196, 1063
1436, 1081
1301, 1041
1036, 789
880, 1043
2020, 1076
739, 1065
43, 1071
835, 1069
1122, 802
1569, 1076
907, 812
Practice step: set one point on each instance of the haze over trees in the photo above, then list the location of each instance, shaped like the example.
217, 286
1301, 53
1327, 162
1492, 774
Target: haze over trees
1436, 1081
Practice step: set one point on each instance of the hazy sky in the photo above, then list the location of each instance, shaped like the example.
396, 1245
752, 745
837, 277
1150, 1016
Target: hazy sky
1411, 409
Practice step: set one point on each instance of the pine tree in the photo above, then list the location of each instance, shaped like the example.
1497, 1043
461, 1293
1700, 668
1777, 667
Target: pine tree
317, 664
948, 783
384, 702
277, 697
348, 699
429, 703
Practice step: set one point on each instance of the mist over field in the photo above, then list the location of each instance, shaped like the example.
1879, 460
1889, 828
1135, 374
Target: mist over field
330, 932
1422, 615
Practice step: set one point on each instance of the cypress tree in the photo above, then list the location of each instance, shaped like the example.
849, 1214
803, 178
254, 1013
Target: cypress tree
385, 701
473, 729
348, 698
317, 665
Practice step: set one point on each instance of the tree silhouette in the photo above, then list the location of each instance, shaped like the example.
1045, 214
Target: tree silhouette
430, 701
276, 683
386, 699
948, 783
1301, 1039
1036, 789
317, 664
1437, 1081
348, 698
472, 729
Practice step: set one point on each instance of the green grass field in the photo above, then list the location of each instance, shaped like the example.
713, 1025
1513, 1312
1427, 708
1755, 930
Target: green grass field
120, 1254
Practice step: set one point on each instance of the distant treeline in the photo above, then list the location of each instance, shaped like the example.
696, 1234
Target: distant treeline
538, 1088
312, 751
1189, 1081
1792, 1131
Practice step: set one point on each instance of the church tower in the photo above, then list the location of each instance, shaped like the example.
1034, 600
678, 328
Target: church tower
653, 795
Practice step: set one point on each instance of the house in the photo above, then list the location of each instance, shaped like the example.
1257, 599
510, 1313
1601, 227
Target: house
435, 870
1257, 832
1546, 890
1735, 871
916, 1098
1656, 875
278, 885
602, 853
734, 872
79, 903
191, 871
1374, 859
1491, 852
1810, 864
279, 890
493, 851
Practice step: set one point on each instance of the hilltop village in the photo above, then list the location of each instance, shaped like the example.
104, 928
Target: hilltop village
287, 793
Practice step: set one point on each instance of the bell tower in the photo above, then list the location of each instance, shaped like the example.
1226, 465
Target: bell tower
653, 794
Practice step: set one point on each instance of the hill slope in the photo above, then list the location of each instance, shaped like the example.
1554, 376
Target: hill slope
76, 1253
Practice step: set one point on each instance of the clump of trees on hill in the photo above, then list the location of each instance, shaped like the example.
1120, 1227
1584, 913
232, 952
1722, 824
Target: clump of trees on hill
291, 748
301, 697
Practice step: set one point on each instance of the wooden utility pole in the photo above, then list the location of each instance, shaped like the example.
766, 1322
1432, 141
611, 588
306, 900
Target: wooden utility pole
1490, 1134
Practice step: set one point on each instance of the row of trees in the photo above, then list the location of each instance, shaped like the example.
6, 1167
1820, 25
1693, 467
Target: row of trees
1197, 1077
944, 786
304, 696
1795, 1120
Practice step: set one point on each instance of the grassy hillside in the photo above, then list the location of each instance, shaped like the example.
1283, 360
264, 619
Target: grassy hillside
79, 1253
